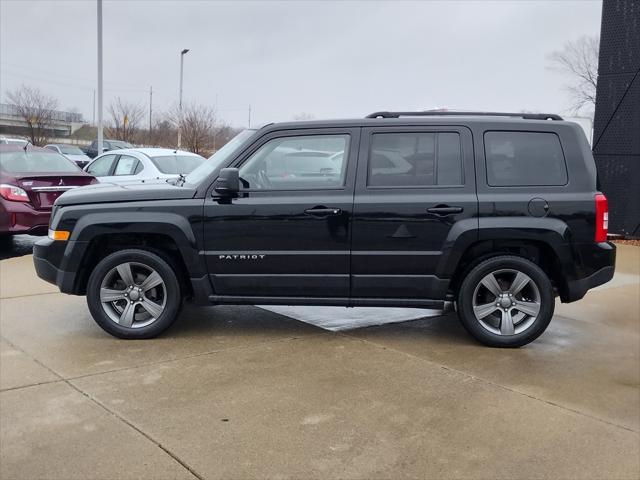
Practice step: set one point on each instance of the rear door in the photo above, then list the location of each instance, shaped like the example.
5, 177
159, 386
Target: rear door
415, 187
125, 169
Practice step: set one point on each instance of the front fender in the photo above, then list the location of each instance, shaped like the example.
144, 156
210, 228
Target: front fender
92, 225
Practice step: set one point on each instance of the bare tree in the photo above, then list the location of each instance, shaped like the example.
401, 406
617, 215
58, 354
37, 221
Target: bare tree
36, 109
125, 119
198, 127
579, 61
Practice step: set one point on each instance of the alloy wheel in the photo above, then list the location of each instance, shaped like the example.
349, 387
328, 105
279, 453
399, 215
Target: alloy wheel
506, 302
133, 295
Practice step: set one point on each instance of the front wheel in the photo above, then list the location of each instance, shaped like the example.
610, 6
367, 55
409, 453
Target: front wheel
506, 301
134, 294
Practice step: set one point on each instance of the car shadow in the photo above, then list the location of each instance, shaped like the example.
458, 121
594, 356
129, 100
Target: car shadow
250, 320
16, 246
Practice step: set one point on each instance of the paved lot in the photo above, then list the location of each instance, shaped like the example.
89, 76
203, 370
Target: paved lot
241, 392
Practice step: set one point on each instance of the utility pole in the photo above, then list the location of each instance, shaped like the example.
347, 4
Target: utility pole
100, 126
150, 112
182, 54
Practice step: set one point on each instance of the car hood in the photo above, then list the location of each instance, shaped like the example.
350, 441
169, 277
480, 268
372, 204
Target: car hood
109, 192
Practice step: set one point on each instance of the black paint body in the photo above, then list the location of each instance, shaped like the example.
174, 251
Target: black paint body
381, 247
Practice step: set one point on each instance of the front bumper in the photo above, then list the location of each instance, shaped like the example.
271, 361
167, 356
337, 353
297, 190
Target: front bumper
48, 260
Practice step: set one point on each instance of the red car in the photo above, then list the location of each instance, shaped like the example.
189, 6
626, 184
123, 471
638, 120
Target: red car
31, 179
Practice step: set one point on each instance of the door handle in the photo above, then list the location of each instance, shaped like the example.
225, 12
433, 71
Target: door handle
322, 211
444, 210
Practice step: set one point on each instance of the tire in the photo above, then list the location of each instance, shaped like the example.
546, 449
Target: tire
144, 311
486, 315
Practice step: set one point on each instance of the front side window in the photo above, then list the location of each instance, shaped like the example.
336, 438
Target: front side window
126, 165
101, 166
524, 159
300, 162
415, 159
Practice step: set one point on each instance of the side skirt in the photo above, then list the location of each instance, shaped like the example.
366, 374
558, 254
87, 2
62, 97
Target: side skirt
328, 301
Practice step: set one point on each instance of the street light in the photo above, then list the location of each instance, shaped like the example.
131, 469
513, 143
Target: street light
182, 54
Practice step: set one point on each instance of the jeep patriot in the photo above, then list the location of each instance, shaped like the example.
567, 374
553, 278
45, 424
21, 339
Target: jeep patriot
497, 212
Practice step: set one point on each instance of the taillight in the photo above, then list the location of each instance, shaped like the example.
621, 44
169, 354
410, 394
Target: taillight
602, 218
13, 193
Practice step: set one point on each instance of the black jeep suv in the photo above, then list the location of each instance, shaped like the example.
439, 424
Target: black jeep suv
496, 212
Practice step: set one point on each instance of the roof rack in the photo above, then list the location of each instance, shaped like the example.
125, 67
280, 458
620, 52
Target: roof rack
438, 113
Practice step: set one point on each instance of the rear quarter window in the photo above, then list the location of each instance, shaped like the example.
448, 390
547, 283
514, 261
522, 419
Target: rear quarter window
524, 159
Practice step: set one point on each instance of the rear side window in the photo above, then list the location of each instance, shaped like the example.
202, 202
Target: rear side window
415, 159
126, 165
524, 159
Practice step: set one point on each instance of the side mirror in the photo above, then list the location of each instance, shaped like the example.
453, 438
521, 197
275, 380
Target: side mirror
105, 149
228, 183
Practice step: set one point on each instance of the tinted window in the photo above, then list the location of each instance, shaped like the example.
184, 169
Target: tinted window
70, 150
101, 166
36, 161
126, 165
415, 159
302, 162
524, 158
175, 164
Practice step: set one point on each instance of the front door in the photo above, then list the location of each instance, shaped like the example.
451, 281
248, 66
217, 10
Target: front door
415, 189
288, 233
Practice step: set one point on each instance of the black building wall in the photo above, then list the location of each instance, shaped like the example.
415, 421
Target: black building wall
616, 139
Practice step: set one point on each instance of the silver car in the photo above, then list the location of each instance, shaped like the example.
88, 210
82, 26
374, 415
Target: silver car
134, 165
72, 152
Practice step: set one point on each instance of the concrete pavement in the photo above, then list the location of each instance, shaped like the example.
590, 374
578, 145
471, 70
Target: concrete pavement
240, 392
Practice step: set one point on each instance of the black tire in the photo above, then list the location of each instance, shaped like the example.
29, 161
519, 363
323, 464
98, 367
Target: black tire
504, 266
171, 295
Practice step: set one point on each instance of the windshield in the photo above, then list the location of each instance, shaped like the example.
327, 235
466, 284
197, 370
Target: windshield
35, 162
175, 164
69, 150
219, 158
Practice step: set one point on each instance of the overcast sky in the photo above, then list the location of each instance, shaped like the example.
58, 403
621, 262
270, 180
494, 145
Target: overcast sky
328, 59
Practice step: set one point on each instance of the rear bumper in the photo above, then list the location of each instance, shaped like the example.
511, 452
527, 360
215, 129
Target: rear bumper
601, 258
18, 217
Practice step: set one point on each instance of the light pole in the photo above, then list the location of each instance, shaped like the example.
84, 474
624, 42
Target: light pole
100, 126
182, 54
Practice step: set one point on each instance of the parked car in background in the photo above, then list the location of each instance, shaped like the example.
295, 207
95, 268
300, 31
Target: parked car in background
135, 165
92, 150
30, 181
72, 152
13, 141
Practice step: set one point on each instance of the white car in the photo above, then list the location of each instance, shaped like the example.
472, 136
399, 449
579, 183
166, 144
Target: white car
13, 141
135, 165
72, 152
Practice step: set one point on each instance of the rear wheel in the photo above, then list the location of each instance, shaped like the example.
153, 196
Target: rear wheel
134, 294
506, 301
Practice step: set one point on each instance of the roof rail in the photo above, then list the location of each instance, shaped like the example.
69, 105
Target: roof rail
437, 113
